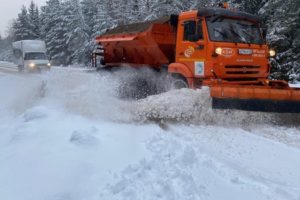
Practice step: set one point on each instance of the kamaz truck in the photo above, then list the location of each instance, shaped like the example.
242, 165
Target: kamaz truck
220, 48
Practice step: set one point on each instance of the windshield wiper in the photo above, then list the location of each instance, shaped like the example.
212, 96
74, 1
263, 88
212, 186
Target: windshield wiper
252, 26
251, 37
242, 39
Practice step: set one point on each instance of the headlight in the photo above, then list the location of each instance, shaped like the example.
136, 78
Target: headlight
32, 65
272, 53
218, 51
49, 64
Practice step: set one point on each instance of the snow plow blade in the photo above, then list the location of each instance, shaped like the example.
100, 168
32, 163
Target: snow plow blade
256, 98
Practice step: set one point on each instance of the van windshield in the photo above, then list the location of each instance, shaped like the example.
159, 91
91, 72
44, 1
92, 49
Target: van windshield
222, 29
35, 56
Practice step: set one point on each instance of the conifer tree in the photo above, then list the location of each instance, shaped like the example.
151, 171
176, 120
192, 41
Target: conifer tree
34, 21
76, 35
54, 31
22, 26
282, 20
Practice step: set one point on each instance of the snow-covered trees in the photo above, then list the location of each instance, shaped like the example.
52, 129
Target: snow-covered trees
21, 26
34, 21
70, 26
53, 30
283, 23
27, 25
5, 50
76, 31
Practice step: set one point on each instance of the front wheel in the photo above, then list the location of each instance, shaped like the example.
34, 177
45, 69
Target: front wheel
20, 68
179, 84
176, 82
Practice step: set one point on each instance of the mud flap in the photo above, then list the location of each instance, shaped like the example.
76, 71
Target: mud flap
257, 105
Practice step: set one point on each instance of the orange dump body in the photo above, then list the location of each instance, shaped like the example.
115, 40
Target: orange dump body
150, 43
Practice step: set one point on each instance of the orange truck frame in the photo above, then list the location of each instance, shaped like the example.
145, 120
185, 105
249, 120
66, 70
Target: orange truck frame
215, 47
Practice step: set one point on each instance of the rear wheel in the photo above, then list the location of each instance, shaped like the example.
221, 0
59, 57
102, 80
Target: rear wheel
137, 89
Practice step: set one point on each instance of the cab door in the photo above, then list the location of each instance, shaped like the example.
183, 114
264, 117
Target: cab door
191, 48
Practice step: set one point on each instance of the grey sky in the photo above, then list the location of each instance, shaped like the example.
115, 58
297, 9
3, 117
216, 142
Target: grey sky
9, 10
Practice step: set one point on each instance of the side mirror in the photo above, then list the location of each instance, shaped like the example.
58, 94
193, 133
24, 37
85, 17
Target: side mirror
264, 33
174, 20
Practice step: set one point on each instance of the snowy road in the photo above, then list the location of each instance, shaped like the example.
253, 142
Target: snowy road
64, 135
7, 67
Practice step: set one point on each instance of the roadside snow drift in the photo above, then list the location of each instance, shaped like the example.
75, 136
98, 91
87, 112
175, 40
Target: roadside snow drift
66, 135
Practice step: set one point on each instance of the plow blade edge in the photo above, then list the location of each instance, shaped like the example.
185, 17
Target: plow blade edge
256, 98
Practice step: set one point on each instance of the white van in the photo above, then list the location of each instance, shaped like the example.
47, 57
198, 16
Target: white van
30, 55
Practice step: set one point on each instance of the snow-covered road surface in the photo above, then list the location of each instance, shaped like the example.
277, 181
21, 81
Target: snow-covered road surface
64, 135
7, 67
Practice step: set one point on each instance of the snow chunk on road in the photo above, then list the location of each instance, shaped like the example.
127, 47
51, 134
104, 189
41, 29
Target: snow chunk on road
35, 113
176, 105
85, 138
194, 107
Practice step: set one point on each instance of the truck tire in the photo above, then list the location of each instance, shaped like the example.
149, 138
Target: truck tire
177, 81
136, 89
179, 84
20, 68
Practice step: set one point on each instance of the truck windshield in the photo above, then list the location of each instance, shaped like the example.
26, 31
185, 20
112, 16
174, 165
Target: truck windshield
35, 56
222, 29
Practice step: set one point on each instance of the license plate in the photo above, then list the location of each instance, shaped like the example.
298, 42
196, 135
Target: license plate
245, 51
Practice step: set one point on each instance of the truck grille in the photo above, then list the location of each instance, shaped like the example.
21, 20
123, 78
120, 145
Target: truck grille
242, 70
41, 65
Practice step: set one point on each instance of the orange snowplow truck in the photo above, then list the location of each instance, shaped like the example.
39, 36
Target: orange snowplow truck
215, 47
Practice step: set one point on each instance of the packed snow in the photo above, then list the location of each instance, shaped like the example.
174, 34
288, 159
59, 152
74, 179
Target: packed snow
66, 135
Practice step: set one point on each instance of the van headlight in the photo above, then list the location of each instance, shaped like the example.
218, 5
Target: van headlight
272, 52
49, 64
32, 65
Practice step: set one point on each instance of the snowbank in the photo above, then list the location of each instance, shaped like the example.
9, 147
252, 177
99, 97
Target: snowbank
194, 106
209, 163
66, 135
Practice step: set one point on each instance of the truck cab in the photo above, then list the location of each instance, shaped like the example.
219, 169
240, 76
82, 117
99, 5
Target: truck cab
221, 45
36, 61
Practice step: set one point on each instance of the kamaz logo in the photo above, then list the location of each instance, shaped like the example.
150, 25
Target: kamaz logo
228, 52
